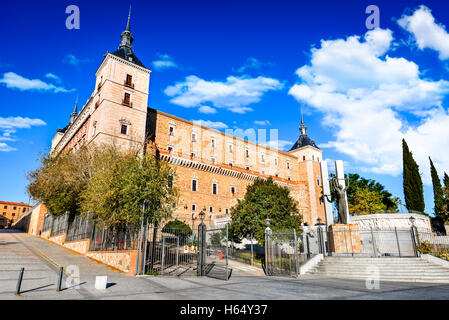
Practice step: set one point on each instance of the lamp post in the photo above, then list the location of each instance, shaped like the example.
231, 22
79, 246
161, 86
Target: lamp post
267, 220
193, 220
202, 214
415, 236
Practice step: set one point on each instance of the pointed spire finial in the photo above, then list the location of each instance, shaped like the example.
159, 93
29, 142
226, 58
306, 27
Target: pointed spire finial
75, 111
127, 38
303, 127
128, 25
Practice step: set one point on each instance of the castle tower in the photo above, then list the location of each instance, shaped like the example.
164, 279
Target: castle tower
121, 97
309, 158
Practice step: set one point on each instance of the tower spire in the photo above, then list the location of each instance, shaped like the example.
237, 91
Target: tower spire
128, 25
303, 127
127, 38
75, 111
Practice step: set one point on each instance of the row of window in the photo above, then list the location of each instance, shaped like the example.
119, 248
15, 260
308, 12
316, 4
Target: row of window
194, 187
211, 208
4, 213
14, 208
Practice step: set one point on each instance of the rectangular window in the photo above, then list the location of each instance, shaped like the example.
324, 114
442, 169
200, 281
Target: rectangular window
275, 161
194, 184
212, 142
192, 156
193, 137
227, 210
171, 130
230, 148
214, 188
14, 208
288, 165
247, 153
193, 207
124, 129
129, 80
262, 158
127, 99
211, 209
232, 190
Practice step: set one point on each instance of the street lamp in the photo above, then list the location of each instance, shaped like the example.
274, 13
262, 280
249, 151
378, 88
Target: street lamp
412, 220
318, 220
202, 216
267, 220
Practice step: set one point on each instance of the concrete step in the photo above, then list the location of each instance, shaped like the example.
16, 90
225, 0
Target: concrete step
392, 273
417, 270
393, 279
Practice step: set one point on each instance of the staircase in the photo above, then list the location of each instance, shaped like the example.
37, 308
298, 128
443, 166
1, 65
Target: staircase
390, 269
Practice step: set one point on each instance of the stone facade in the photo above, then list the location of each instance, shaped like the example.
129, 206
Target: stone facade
221, 164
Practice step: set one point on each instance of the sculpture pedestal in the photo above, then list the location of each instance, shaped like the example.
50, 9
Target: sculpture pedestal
344, 238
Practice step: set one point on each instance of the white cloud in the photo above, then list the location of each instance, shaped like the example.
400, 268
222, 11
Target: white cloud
207, 110
15, 81
262, 122
54, 77
164, 62
252, 63
73, 60
233, 94
5, 148
211, 124
366, 96
426, 31
9, 126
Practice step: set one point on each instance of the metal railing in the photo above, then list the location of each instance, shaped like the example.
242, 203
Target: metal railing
118, 237
80, 228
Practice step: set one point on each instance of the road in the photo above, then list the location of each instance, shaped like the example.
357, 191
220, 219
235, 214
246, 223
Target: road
41, 260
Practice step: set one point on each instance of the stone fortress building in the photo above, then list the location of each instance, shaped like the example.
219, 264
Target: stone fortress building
212, 168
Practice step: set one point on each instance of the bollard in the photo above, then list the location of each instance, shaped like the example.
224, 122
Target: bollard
61, 270
19, 282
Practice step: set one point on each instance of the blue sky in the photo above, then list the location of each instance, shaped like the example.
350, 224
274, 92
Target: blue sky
240, 64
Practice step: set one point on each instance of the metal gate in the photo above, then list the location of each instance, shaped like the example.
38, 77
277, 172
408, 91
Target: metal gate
281, 253
371, 243
213, 252
169, 252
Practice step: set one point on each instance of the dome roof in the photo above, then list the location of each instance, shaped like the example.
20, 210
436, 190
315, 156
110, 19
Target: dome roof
303, 139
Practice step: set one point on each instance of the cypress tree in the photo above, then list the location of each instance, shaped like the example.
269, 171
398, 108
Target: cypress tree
413, 187
438, 196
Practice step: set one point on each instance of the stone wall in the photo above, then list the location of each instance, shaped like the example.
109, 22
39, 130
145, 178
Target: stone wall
80, 246
388, 221
123, 260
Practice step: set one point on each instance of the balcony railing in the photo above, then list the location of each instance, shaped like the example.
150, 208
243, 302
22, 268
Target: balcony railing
128, 84
127, 103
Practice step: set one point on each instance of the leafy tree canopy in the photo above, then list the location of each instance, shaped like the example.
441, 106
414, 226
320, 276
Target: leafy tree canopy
107, 182
264, 198
366, 195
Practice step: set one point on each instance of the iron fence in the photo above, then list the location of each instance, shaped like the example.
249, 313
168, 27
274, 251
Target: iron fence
48, 222
60, 225
79, 228
117, 237
282, 253
433, 243
215, 253
168, 251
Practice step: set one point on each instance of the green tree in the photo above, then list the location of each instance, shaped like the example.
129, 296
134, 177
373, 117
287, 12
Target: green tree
60, 180
120, 183
365, 201
377, 197
264, 198
438, 194
107, 182
413, 187
178, 226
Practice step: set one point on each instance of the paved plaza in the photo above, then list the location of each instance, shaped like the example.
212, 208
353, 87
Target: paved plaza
41, 260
